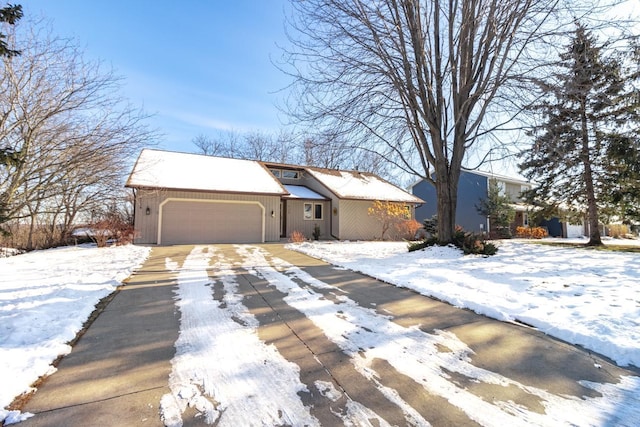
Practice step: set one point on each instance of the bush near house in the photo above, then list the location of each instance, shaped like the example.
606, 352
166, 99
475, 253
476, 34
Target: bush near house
391, 215
408, 229
297, 237
532, 232
617, 230
470, 243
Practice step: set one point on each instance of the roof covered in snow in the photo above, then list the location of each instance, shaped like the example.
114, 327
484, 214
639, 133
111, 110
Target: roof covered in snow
185, 171
172, 170
302, 192
361, 185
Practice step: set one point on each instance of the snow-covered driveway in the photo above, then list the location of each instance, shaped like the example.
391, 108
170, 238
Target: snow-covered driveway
273, 337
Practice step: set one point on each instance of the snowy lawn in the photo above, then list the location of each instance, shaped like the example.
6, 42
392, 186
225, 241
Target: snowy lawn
237, 389
45, 297
585, 297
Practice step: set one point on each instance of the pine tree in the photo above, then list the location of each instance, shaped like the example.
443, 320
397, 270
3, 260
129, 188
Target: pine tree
10, 14
497, 207
568, 157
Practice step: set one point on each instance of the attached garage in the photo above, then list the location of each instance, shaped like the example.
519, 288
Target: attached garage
184, 198
210, 221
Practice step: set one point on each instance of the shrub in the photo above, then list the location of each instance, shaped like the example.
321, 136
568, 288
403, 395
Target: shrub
431, 225
389, 214
112, 228
470, 243
316, 232
297, 237
531, 232
617, 230
408, 229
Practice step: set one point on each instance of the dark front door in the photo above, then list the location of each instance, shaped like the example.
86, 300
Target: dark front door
283, 218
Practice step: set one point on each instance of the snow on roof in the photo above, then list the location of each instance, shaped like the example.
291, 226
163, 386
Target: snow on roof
361, 185
165, 169
302, 192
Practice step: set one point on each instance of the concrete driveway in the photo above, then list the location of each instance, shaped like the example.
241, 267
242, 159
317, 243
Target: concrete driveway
119, 370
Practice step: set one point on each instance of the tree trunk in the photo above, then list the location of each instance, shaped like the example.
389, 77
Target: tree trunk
447, 199
592, 206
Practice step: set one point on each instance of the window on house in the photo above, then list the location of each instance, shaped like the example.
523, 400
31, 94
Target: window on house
312, 211
275, 172
407, 212
290, 174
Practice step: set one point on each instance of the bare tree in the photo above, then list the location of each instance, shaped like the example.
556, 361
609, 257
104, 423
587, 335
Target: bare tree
74, 135
415, 77
255, 145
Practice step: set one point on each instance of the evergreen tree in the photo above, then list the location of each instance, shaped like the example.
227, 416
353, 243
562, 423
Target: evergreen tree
497, 207
581, 113
9, 14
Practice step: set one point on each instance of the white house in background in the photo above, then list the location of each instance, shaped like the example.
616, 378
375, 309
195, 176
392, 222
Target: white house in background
183, 198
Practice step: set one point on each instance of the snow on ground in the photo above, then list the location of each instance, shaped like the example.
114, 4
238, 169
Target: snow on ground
224, 394
221, 367
582, 296
585, 297
45, 297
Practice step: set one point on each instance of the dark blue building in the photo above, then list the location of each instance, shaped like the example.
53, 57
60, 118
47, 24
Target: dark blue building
472, 188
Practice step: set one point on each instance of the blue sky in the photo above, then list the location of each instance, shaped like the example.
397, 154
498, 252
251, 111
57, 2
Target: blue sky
197, 66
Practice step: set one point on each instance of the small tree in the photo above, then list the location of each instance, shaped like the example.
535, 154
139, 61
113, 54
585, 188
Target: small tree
497, 207
389, 214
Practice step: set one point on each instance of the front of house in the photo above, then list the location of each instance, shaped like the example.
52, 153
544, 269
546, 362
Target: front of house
183, 198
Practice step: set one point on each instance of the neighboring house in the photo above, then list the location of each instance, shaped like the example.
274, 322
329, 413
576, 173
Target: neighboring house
185, 198
473, 186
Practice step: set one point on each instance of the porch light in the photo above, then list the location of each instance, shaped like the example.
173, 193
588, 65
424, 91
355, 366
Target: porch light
148, 211
273, 214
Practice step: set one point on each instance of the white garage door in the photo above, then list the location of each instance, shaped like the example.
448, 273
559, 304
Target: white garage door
185, 222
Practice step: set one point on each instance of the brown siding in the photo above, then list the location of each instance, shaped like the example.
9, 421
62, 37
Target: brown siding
357, 224
296, 221
147, 225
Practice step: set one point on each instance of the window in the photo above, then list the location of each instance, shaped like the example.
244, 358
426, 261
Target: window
275, 172
312, 211
407, 212
290, 174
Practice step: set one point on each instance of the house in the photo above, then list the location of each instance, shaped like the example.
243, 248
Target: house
185, 198
473, 186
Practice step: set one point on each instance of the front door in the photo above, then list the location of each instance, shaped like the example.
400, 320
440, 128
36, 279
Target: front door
283, 218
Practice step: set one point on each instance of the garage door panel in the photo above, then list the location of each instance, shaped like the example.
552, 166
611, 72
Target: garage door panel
185, 222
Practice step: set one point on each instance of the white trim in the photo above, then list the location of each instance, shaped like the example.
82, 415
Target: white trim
180, 199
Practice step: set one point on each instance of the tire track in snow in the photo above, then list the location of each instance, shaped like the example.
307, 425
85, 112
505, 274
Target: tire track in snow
366, 336
221, 367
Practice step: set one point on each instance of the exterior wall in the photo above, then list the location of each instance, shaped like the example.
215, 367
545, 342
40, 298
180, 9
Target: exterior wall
335, 207
146, 226
296, 221
514, 191
357, 224
471, 189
